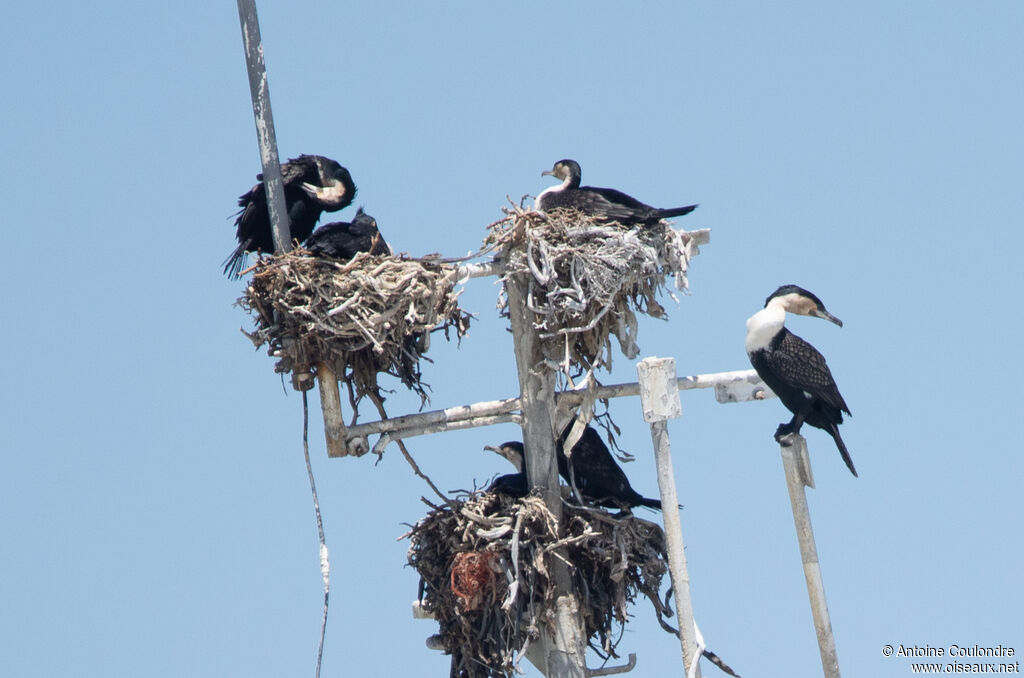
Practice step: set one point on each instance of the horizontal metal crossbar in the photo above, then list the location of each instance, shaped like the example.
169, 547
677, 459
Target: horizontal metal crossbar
730, 387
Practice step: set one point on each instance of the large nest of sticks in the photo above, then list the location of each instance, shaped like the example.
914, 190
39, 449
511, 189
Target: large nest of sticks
485, 567
371, 315
587, 279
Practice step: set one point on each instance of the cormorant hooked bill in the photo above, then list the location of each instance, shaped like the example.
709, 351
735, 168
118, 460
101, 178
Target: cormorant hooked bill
794, 369
312, 184
606, 204
598, 477
344, 240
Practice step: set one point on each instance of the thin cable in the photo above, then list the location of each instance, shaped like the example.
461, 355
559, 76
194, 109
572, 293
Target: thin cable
325, 564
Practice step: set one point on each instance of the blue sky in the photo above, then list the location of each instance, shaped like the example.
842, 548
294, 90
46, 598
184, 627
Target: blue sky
154, 511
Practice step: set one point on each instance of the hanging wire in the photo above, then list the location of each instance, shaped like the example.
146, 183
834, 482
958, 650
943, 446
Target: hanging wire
325, 564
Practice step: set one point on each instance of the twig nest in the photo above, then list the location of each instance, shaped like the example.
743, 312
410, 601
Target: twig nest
371, 315
485, 565
588, 279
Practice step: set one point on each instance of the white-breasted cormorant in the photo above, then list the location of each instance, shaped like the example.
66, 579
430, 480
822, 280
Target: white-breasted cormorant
597, 475
606, 204
344, 240
794, 369
312, 184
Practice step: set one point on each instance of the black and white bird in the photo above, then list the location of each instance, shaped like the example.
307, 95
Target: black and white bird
344, 240
605, 204
597, 475
312, 184
794, 369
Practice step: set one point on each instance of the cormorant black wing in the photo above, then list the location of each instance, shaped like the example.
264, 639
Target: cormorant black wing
302, 168
619, 198
799, 365
609, 204
344, 240
596, 473
512, 484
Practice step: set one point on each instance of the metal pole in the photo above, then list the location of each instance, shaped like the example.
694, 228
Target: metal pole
797, 464
260, 91
330, 404
563, 654
659, 398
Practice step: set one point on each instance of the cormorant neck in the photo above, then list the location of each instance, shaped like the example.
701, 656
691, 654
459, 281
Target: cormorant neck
764, 325
571, 181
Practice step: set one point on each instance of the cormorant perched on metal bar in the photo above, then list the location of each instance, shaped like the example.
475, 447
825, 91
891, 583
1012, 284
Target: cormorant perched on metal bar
344, 240
312, 184
598, 477
794, 369
606, 204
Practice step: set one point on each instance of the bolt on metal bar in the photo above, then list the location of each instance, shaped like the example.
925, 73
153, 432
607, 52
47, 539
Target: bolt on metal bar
797, 465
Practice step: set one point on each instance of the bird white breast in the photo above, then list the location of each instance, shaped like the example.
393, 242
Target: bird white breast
552, 189
763, 326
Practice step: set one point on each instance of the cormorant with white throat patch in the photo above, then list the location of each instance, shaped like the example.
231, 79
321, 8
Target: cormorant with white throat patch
598, 477
344, 240
794, 369
605, 204
312, 184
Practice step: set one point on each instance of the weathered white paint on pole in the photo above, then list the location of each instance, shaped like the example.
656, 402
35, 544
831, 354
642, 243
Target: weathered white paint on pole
563, 654
659, 398
797, 465
259, 89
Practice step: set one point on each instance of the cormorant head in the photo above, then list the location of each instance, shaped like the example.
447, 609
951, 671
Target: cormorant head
568, 171
513, 451
336, 188
797, 300
365, 225
364, 219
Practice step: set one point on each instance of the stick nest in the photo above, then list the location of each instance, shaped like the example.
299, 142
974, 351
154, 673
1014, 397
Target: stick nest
485, 567
371, 315
588, 279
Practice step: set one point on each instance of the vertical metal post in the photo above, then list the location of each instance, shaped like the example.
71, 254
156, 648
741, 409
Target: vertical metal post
659, 398
564, 654
273, 187
260, 91
797, 465
330, 404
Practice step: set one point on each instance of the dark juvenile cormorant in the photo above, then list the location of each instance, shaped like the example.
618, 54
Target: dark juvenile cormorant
794, 369
512, 484
312, 184
344, 240
605, 204
598, 477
